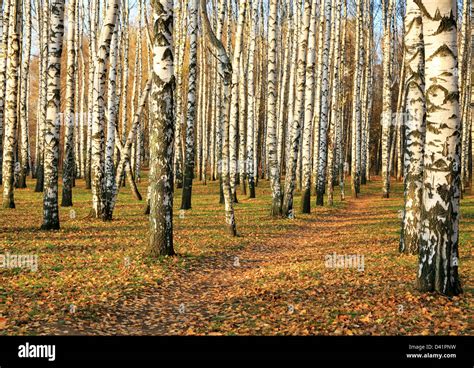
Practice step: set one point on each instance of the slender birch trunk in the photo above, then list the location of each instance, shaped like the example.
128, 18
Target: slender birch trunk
53, 118
191, 111
387, 98
334, 119
234, 100
45, 14
324, 120
317, 95
225, 73
11, 104
98, 138
112, 119
3, 75
271, 136
298, 116
24, 125
252, 116
68, 163
179, 47
162, 131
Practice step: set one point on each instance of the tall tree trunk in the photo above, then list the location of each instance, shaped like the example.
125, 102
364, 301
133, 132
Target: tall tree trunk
225, 73
24, 93
112, 118
324, 121
98, 139
271, 136
234, 100
191, 111
68, 164
180, 48
11, 104
252, 116
309, 110
334, 118
162, 131
53, 118
5, 20
387, 98
45, 15
439, 258
298, 116
415, 129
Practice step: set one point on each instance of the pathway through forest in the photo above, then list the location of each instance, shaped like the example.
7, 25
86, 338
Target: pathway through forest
285, 286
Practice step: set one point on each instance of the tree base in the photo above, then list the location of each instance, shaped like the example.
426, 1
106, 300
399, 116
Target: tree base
50, 226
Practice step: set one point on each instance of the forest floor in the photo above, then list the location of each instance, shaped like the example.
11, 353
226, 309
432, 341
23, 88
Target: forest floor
94, 277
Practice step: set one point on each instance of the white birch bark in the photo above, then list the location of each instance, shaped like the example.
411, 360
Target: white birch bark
98, 139
69, 116
252, 116
387, 98
414, 129
334, 119
234, 100
52, 126
271, 136
225, 73
191, 110
11, 94
162, 131
24, 124
298, 116
439, 258
5, 20
324, 121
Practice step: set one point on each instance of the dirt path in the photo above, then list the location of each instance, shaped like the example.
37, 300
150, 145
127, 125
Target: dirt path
285, 286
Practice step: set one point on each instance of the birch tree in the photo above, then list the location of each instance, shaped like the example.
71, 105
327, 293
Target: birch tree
98, 138
387, 96
324, 120
5, 21
298, 115
225, 73
414, 129
234, 99
439, 258
191, 111
24, 93
68, 164
11, 104
112, 118
52, 126
271, 136
334, 114
251, 116
162, 131
309, 110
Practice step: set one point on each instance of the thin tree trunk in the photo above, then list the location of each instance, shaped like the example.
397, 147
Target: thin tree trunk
191, 111
68, 164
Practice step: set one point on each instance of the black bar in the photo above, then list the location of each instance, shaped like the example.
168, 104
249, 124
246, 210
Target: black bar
358, 351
